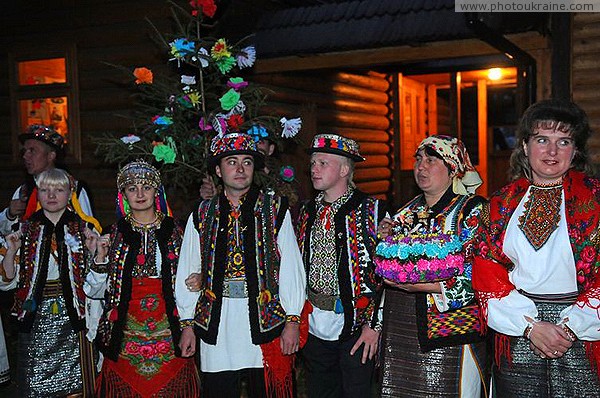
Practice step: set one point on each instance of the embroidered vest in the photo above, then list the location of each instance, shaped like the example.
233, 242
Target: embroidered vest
261, 217
355, 237
33, 272
124, 248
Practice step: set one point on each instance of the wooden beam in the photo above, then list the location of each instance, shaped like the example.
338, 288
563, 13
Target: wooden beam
400, 54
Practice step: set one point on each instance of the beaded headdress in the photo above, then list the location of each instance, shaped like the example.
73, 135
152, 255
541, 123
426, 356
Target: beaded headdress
138, 172
336, 144
45, 134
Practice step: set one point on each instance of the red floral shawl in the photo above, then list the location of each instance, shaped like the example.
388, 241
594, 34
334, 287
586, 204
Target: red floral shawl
491, 265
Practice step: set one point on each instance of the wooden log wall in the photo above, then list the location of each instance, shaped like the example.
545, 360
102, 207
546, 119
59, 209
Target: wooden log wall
110, 31
351, 104
585, 77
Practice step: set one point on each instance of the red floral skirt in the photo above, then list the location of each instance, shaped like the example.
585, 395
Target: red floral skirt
147, 365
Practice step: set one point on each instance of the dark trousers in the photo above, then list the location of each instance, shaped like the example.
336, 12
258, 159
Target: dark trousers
228, 384
332, 372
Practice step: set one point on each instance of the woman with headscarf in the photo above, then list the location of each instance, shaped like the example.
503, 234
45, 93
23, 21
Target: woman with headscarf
536, 272
431, 345
134, 272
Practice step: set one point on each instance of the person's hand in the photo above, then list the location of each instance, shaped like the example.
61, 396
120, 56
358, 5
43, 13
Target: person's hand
91, 239
290, 338
549, 340
187, 342
370, 339
208, 188
16, 208
13, 241
102, 245
193, 282
431, 287
384, 229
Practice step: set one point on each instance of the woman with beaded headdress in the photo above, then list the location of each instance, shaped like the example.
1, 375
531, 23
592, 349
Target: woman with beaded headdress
536, 274
45, 260
134, 271
431, 342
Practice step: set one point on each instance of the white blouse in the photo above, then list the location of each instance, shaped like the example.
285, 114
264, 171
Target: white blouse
549, 270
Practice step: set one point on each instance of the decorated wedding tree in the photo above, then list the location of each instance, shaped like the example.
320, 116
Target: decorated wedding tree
207, 95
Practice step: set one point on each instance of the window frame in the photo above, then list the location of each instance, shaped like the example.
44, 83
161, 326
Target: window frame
69, 89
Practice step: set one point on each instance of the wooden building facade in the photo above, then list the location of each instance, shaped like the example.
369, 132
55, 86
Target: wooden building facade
386, 97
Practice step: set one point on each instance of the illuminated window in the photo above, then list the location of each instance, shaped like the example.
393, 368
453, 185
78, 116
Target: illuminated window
44, 91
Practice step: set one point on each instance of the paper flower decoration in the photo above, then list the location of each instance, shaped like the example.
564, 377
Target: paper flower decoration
229, 99
162, 120
130, 139
235, 121
287, 173
225, 64
181, 47
237, 83
203, 125
208, 7
220, 50
164, 153
203, 57
188, 80
290, 127
258, 132
143, 76
246, 57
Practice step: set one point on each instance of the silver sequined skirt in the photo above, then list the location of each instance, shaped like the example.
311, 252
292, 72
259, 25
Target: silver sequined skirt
530, 376
48, 356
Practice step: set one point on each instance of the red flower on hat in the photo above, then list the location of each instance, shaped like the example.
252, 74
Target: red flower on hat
235, 121
208, 7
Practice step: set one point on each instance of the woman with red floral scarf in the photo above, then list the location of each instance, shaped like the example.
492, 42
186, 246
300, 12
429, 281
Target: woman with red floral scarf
536, 274
134, 272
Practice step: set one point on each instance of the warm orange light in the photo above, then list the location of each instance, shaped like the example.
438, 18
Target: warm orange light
495, 73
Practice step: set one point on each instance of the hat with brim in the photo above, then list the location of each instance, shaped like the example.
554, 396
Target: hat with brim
337, 145
234, 144
45, 134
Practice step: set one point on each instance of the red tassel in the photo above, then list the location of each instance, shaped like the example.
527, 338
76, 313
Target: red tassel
592, 350
502, 343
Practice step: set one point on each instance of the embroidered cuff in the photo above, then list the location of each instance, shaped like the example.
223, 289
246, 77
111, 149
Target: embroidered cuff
185, 323
292, 318
100, 267
529, 328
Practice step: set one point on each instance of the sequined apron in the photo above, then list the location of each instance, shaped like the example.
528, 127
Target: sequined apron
569, 376
48, 356
147, 365
408, 372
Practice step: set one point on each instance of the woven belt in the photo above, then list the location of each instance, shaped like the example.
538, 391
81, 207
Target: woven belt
236, 288
560, 298
52, 288
324, 302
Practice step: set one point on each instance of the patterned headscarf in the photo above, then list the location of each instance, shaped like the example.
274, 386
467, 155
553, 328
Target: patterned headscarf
465, 179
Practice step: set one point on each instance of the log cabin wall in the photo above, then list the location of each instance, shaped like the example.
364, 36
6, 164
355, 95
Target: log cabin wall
356, 105
584, 73
110, 31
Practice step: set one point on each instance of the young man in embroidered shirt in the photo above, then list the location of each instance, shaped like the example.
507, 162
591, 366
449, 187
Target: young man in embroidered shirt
240, 282
337, 237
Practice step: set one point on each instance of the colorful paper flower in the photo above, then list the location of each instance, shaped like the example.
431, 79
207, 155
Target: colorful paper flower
246, 57
188, 80
219, 123
181, 47
143, 76
225, 64
237, 83
235, 121
229, 99
130, 139
203, 57
164, 153
203, 125
290, 127
162, 120
220, 50
287, 173
208, 7
257, 132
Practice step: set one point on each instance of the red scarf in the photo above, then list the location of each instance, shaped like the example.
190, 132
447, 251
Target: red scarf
491, 265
